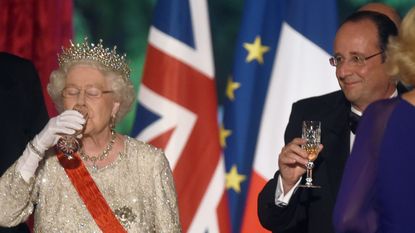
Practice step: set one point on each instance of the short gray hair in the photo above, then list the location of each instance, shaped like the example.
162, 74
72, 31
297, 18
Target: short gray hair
122, 86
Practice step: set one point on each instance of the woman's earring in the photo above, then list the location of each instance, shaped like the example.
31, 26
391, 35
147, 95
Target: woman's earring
112, 122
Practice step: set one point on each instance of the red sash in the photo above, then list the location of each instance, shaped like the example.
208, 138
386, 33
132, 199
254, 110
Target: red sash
90, 194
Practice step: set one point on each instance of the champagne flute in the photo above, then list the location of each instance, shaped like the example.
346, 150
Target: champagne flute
312, 133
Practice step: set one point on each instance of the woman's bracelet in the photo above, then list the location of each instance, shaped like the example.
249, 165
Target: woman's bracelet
35, 149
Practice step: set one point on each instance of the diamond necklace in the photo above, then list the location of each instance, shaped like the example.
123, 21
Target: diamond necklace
101, 157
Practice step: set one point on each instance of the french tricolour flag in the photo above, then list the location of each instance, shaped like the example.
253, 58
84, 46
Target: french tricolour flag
281, 56
177, 111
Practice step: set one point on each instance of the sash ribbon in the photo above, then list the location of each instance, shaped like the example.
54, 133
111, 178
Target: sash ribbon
90, 193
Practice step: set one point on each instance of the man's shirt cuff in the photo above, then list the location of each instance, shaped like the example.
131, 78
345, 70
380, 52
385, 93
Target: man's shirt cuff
280, 198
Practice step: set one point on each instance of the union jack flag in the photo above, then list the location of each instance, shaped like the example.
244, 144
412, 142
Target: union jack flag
177, 111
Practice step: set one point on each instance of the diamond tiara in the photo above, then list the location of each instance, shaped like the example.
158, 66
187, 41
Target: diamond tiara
97, 53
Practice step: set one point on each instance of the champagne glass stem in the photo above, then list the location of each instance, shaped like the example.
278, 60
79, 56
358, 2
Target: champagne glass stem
309, 178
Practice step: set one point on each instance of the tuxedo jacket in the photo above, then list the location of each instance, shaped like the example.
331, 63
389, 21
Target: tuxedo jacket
310, 210
23, 112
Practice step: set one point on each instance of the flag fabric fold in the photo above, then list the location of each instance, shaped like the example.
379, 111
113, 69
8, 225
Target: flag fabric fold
177, 111
281, 56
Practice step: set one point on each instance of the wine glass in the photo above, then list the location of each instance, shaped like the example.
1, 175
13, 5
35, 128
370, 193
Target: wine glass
70, 144
312, 133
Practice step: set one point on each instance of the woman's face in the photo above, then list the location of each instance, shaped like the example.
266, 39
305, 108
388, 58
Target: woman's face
86, 85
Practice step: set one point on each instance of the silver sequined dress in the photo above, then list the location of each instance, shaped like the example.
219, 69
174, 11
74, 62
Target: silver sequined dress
138, 187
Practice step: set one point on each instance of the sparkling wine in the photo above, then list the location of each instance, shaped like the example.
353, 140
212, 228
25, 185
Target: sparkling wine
312, 151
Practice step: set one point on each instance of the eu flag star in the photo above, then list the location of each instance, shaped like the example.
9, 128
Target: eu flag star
256, 50
231, 87
223, 134
234, 179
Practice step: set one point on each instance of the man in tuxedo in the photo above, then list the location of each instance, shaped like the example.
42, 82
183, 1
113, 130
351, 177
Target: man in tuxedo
23, 112
359, 55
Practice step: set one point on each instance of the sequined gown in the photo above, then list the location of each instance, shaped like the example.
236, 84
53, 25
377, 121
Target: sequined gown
138, 186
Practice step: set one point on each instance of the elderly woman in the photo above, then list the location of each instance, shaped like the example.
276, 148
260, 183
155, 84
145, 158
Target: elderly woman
111, 182
377, 192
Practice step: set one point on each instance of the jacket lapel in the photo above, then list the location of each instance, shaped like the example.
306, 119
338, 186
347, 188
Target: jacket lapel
336, 141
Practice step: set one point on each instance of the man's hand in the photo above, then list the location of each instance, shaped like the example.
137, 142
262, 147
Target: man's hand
292, 161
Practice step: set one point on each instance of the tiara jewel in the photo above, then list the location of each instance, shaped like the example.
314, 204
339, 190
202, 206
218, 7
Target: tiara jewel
91, 52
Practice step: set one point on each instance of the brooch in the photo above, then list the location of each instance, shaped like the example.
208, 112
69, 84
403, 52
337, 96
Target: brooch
125, 215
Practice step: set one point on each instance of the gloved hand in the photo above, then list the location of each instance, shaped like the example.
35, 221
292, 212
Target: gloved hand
68, 122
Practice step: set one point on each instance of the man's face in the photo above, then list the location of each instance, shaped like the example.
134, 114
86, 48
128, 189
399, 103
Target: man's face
368, 82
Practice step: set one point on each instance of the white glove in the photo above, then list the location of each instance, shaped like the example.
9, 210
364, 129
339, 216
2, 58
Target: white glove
67, 122
28, 163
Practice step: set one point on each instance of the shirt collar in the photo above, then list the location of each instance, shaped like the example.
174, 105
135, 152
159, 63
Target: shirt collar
359, 113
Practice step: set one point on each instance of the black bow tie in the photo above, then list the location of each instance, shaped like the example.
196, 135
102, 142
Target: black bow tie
353, 121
